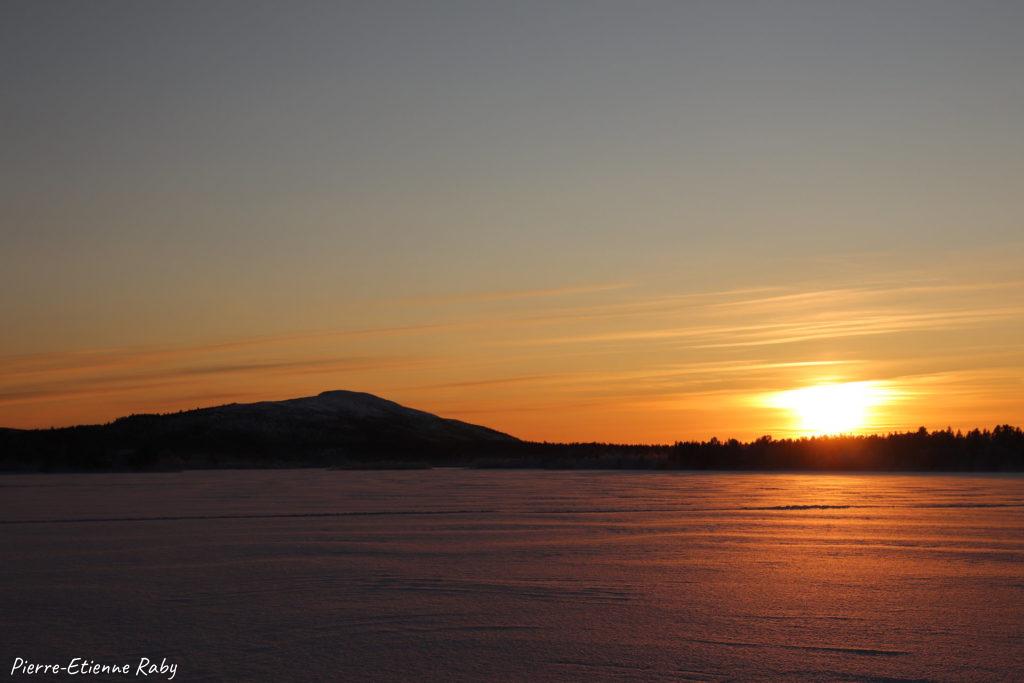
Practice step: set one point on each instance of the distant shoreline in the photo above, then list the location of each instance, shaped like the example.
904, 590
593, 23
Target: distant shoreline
442, 468
354, 430
1000, 450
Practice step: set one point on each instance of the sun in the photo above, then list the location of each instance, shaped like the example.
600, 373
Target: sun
837, 408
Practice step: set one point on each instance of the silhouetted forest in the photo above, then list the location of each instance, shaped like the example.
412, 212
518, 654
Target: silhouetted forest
147, 445
998, 450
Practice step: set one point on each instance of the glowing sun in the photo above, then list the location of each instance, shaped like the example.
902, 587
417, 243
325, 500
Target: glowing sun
831, 408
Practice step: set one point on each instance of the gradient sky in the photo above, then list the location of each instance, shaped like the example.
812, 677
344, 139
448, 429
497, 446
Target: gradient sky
565, 220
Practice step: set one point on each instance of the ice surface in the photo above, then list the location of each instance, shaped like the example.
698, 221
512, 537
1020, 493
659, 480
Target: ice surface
518, 575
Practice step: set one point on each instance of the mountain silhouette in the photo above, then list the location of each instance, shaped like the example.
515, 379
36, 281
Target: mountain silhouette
330, 427
341, 416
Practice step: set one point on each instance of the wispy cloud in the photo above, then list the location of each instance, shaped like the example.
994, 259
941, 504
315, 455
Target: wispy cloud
54, 386
840, 297
856, 323
871, 325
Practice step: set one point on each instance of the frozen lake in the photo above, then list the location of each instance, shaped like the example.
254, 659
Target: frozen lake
517, 575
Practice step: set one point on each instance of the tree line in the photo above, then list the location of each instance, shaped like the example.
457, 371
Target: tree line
146, 446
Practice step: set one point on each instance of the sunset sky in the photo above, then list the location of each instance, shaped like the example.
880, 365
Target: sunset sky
569, 221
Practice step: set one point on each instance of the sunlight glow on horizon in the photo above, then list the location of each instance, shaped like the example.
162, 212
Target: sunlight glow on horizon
832, 408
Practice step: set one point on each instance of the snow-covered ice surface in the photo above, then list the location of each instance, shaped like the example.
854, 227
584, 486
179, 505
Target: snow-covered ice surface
518, 575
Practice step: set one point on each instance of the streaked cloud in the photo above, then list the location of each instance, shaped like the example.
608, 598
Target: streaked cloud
610, 359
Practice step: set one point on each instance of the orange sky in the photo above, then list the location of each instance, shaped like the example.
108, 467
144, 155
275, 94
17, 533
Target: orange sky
617, 361
563, 220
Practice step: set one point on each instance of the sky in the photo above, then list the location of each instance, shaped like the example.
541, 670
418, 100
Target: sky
636, 222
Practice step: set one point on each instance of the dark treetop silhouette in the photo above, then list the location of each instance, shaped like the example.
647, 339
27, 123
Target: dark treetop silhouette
350, 429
